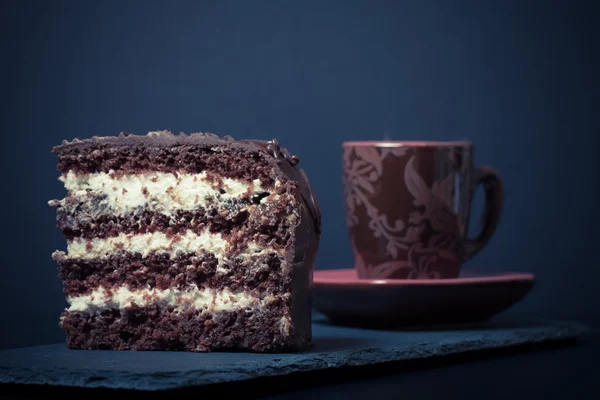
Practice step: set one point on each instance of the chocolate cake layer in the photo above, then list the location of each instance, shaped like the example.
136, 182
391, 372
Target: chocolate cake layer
157, 328
267, 220
262, 273
166, 153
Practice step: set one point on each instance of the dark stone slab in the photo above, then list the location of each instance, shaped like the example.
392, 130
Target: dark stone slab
334, 347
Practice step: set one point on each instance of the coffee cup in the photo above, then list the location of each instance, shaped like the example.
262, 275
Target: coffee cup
408, 206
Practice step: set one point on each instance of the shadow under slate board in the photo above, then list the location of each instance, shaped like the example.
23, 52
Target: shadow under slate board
55, 366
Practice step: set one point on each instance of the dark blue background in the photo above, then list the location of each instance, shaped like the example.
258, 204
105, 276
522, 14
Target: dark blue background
518, 78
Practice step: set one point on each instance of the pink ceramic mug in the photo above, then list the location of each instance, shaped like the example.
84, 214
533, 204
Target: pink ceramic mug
408, 207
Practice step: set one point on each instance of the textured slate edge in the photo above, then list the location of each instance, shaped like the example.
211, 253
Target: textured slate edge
297, 363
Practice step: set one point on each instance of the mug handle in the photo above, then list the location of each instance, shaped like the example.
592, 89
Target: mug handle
494, 197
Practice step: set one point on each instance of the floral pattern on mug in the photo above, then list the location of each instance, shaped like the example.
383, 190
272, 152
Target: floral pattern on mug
417, 245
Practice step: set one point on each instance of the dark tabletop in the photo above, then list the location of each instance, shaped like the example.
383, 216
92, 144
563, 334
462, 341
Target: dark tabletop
569, 370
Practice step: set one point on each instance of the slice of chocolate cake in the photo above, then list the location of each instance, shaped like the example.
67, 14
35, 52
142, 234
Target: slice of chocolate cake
185, 242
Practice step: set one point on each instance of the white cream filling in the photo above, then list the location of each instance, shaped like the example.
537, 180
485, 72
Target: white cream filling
162, 191
188, 242
211, 299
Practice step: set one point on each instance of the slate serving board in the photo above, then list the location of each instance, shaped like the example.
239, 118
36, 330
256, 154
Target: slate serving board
334, 347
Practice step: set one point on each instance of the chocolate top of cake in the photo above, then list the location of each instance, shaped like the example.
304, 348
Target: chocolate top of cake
269, 151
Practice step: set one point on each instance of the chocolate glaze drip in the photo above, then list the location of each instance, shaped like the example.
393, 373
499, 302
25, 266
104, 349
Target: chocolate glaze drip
292, 172
277, 151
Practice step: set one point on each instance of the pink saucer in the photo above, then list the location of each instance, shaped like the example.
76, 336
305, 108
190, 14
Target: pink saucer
473, 297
